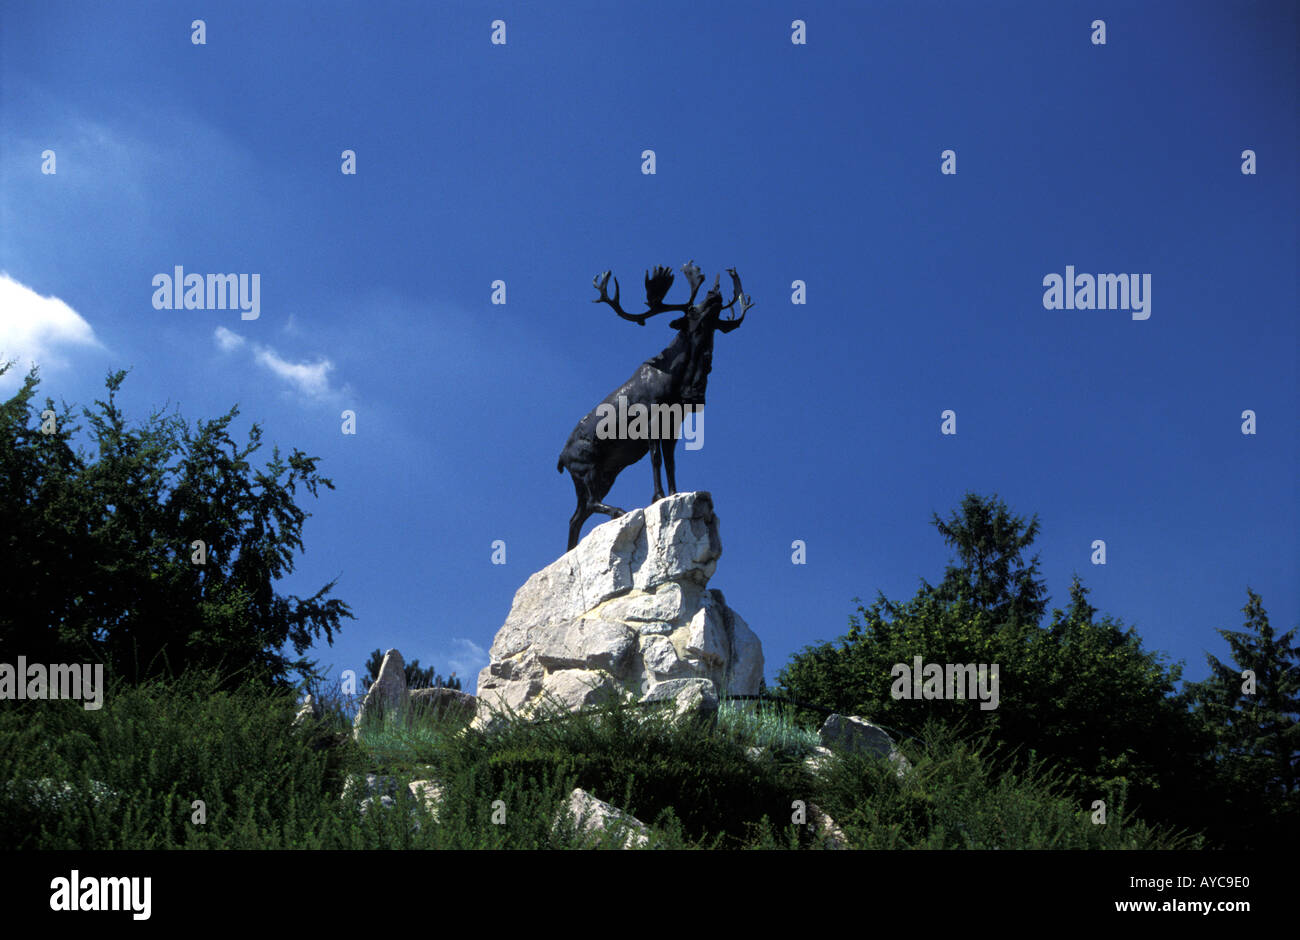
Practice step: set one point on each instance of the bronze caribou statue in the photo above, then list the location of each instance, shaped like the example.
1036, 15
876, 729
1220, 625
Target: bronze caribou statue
669, 385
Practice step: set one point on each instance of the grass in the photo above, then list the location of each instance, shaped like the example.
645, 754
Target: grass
764, 726
134, 769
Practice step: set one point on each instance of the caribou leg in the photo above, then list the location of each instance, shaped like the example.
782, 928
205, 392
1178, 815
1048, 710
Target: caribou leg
670, 464
575, 526
587, 504
669, 446
655, 460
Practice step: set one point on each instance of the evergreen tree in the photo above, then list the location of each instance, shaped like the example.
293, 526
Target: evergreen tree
158, 551
1252, 711
1080, 692
418, 677
1108, 710
991, 572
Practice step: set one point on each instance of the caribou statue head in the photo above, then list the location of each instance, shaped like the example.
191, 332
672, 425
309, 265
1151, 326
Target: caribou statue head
664, 389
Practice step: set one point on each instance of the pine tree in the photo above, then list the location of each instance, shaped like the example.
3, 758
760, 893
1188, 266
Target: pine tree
991, 572
1251, 710
1081, 691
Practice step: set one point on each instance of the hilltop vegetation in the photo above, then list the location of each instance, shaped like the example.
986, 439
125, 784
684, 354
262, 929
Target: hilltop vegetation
136, 768
158, 554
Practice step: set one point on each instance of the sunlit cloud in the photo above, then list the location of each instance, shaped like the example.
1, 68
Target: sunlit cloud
228, 341
466, 659
311, 379
40, 330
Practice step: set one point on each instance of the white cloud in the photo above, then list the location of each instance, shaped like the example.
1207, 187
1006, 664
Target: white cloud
466, 659
309, 378
38, 329
227, 340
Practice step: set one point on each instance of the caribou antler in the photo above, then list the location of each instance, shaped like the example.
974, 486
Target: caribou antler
656, 287
692, 272
600, 282
733, 321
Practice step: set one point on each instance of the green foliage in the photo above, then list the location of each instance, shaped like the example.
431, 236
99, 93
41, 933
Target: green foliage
100, 546
1079, 692
644, 762
126, 777
404, 736
991, 573
853, 675
1254, 738
963, 793
767, 726
155, 748
1105, 709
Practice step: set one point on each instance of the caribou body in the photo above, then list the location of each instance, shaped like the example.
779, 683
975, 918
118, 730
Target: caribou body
664, 388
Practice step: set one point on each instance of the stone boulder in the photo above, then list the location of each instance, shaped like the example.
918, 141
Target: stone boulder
430, 791
309, 711
695, 698
386, 694
628, 609
594, 816
442, 703
820, 759
854, 735
849, 734
829, 834
389, 695
368, 788
376, 790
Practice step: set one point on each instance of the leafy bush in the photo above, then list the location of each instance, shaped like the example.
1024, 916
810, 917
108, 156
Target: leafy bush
1080, 690
158, 747
963, 793
106, 543
126, 777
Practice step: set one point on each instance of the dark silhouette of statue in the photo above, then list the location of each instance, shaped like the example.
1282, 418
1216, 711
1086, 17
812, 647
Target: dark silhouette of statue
663, 390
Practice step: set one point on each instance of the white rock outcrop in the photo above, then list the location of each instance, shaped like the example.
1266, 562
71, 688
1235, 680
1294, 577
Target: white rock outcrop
828, 831
594, 817
386, 694
855, 735
384, 789
389, 695
690, 697
309, 710
440, 702
849, 734
625, 610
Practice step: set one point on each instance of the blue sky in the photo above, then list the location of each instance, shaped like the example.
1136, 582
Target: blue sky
817, 162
